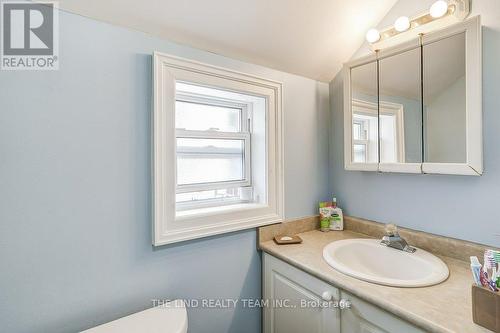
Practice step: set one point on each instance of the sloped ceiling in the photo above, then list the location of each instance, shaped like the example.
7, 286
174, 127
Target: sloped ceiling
309, 38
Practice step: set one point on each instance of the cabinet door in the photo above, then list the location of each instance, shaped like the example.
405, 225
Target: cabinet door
363, 317
297, 300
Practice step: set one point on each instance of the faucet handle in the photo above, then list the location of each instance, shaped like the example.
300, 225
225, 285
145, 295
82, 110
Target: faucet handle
391, 229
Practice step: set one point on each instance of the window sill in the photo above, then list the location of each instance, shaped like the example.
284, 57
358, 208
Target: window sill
218, 220
210, 211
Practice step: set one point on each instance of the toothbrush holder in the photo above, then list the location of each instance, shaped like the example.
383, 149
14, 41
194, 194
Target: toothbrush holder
486, 308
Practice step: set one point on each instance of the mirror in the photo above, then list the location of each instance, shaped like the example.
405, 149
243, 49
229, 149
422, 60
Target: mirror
400, 108
417, 107
445, 100
364, 106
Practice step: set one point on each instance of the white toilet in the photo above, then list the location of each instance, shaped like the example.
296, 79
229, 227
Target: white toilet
168, 318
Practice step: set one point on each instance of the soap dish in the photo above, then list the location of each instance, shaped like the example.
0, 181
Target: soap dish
284, 239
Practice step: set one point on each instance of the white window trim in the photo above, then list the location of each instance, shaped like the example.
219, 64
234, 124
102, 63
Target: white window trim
169, 227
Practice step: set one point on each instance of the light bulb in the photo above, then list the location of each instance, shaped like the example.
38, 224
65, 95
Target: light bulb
439, 8
373, 36
402, 24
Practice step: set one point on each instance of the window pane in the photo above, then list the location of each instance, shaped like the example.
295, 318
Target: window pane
209, 160
359, 153
202, 117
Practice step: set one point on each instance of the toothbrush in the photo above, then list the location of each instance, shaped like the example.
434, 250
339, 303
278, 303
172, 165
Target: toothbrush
489, 263
497, 261
484, 278
475, 266
494, 274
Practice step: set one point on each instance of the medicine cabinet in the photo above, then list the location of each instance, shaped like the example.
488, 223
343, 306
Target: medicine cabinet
417, 107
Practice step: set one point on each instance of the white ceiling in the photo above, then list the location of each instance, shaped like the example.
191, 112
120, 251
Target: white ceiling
310, 38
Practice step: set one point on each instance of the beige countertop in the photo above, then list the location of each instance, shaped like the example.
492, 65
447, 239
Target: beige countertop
445, 307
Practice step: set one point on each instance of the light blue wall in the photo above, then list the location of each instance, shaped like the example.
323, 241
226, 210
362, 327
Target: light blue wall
75, 194
464, 207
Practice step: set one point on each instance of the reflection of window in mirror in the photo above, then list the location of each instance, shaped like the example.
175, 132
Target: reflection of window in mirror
400, 108
360, 143
363, 143
365, 128
444, 100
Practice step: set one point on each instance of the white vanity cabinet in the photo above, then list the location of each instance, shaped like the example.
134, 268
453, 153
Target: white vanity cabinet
286, 286
294, 297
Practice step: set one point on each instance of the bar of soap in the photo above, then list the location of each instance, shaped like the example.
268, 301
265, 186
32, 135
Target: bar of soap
286, 238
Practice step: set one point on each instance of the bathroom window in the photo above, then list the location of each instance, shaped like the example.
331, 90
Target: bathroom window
213, 147
217, 150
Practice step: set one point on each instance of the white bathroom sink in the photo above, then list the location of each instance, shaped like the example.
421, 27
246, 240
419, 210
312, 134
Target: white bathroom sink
368, 260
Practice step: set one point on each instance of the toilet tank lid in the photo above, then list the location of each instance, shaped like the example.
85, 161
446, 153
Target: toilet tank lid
170, 317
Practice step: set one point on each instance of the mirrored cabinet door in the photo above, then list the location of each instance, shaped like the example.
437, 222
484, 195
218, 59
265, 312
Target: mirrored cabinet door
364, 118
445, 101
400, 92
452, 80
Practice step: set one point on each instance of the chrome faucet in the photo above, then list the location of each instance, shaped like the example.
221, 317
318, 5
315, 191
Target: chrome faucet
392, 239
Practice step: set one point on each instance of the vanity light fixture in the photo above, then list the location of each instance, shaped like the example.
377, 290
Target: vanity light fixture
373, 35
441, 14
439, 9
402, 24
